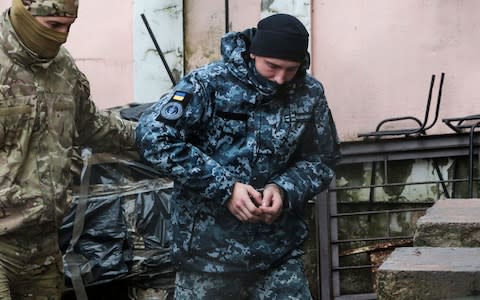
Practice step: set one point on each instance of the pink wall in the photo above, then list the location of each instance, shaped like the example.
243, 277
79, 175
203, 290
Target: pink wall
101, 42
376, 57
4, 4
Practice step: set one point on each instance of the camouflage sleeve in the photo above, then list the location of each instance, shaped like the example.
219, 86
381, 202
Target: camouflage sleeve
104, 131
165, 139
312, 167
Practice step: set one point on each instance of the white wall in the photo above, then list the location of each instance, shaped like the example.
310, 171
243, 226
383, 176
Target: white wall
299, 8
165, 17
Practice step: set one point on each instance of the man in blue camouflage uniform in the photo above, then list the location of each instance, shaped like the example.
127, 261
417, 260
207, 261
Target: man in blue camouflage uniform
248, 141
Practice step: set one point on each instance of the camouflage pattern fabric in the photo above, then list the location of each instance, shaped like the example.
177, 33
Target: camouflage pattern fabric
31, 266
285, 282
59, 8
224, 123
45, 109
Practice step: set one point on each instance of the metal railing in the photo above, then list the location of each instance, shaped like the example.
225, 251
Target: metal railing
456, 147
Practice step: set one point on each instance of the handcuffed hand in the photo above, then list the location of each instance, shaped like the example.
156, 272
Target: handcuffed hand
249, 205
244, 203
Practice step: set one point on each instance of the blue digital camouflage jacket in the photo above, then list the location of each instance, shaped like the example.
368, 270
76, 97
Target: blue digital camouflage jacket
223, 123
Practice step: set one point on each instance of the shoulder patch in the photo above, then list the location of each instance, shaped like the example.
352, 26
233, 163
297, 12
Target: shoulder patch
174, 108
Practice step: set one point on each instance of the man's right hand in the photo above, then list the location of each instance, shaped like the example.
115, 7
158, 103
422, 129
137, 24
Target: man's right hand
244, 203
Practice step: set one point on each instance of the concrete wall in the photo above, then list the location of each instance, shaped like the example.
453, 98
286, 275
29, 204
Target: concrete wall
205, 25
165, 18
376, 54
112, 47
101, 42
380, 54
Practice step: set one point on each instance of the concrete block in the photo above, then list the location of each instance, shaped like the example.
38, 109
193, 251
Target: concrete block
450, 223
430, 273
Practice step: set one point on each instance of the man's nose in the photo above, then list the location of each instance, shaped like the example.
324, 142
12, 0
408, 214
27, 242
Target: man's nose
64, 29
280, 77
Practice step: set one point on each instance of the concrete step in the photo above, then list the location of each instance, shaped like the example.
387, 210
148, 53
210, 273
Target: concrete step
430, 273
450, 223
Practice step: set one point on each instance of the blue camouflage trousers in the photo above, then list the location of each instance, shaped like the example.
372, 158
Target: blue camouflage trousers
287, 281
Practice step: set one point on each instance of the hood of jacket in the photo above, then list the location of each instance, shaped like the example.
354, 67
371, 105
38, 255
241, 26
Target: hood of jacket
234, 49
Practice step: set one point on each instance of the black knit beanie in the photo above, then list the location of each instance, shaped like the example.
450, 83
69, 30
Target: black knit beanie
280, 36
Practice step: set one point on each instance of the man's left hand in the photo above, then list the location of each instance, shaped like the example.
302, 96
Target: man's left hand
272, 203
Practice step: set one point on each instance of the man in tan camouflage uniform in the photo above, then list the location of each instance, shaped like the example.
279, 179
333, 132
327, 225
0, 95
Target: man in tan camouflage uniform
45, 110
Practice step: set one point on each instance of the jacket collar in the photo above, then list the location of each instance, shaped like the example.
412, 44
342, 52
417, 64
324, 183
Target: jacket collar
234, 49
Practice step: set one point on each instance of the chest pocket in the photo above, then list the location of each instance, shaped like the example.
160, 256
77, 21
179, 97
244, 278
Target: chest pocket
228, 128
17, 116
61, 119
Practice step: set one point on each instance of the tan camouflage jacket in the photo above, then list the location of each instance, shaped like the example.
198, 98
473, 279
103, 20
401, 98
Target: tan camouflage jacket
45, 110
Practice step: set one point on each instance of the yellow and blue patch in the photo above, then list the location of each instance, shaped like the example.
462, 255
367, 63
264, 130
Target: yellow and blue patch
174, 108
179, 96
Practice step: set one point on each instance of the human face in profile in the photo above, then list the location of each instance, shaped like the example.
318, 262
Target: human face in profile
277, 70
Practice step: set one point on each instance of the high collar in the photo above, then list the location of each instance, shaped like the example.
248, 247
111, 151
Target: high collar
15, 49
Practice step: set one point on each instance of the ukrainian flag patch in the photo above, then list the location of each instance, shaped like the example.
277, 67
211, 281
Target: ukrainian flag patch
174, 108
179, 96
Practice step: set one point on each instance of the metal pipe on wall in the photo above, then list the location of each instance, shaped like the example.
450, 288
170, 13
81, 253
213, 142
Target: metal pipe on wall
227, 16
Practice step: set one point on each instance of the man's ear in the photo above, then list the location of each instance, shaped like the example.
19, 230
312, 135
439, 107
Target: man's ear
252, 56
307, 60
